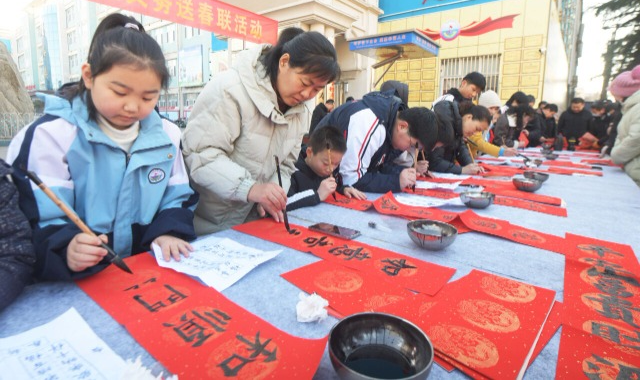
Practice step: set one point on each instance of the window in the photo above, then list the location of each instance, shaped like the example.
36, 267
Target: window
73, 62
70, 15
453, 70
20, 44
171, 66
21, 62
71, 38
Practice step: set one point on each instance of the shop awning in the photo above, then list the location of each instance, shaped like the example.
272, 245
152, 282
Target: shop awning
409, 44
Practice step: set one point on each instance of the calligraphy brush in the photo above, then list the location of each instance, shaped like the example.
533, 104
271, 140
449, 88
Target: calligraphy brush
415, 164
284, 212
111, 255
331, 168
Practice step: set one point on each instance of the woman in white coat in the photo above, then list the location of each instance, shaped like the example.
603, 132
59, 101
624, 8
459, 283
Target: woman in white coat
626, 150
245, 116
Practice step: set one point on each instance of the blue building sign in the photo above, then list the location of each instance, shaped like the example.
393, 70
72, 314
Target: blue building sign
412, 43
394, 9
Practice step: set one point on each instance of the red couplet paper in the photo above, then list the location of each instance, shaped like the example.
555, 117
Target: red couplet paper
403, 271
529, 205
348, 291
569, 164
571, 171
352, 203
500, 171
193, 330
602, 292
389, 205
553, 323
599, 161
437, 180
584, 356
507, 189
489, 324
434, 193
518, 234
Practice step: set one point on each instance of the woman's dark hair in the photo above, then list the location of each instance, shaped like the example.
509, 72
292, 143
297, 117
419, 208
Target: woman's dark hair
310, 51
477, 112
120, 40
520, 111
518, 97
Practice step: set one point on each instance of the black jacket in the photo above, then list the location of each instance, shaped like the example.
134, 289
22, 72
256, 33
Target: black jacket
367, 125
573, 125
549, 127
598, 128
17, 256
303, 191
450, 158
319, 112
535, 128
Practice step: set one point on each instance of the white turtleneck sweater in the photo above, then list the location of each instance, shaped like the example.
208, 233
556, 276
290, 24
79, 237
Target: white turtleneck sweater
124, 138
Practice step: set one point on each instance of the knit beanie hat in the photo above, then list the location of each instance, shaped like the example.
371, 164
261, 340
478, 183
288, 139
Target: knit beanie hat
626, 83
489, 99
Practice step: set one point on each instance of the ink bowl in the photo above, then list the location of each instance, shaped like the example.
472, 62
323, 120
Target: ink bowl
379, 346
477, 199
536, 175
431, 234
550, 156
527, 184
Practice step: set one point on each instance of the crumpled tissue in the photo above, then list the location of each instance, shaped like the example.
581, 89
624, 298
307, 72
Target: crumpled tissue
311, 308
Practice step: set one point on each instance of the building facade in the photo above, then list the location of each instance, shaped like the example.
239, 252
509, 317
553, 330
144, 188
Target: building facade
528, 45
517, 44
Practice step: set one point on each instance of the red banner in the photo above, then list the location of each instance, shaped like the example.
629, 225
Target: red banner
193, 330
404, 271
477, 28
214, 16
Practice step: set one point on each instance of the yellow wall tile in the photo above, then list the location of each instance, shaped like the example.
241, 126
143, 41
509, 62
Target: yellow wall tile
489, 49
428, 63
402, 77
511, 81
531, 54
414, 75
415, 64
511, 68
531, 67
389, 77
414, 96
512, 43
506, 93
512, 56
428, 74
427, 96
401, 66
469, 51
414, 87
531, 91
397, 25
384, 27
427, 85
529, 80
533, 41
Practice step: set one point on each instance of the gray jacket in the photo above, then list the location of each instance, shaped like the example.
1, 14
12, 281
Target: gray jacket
231, 138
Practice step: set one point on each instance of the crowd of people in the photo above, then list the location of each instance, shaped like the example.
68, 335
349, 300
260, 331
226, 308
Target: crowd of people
135, 178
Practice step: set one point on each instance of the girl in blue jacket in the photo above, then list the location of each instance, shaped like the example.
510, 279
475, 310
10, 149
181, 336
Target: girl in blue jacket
103, 150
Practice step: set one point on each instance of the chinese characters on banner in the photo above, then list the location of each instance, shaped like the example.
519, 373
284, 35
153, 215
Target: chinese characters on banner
403, 271
214, 16
602, 293
193, 330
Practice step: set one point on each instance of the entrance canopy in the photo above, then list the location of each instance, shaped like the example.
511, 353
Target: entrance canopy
411, 44
390, 47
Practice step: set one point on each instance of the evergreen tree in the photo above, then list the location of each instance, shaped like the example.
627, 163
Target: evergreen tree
624, 15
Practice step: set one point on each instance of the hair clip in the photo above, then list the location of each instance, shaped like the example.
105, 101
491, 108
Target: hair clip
132, 26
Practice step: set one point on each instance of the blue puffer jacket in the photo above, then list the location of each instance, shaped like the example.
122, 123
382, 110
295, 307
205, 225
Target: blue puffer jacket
131, 197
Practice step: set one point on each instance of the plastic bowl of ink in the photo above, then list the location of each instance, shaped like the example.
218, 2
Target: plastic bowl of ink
477, 200
527, 184
431, 234
536, 175
379, 346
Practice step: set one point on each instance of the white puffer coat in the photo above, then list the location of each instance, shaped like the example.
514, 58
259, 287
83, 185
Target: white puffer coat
626, 150
231, 138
